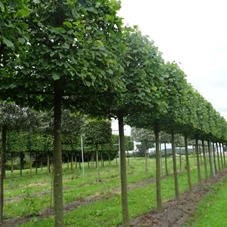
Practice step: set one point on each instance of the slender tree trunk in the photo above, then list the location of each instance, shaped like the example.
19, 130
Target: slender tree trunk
102, 161
71, 160
109, 158
2, 172
180, 159
197, 158
97, 163
218, 157
177, 197
214, 157
212, 172
57, 158
21, 162
187, 163
223, 155
123, 173
220, 154
204, 159
158, 168
166, 163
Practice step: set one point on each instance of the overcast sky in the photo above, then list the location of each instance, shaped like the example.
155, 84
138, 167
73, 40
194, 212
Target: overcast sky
192, 32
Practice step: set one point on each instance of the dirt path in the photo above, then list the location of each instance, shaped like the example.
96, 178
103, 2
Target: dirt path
176, 213
169, 218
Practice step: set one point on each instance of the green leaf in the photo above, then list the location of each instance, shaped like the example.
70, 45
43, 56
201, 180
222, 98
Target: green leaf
2, 6
68, 24
21, 40
24, 12
36, 1
7, 42
55, 76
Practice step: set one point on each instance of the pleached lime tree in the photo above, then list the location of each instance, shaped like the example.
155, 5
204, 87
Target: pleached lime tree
142, 63
176, 93
69, 55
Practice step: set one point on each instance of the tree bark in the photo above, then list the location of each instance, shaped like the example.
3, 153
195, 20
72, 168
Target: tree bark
71, 160
204, 159
212, 172
214, 157
177, 197
224, 160
188, 163
197, 159
221, 155
57, 157
158, 168
123, 174
2, 172
218, 157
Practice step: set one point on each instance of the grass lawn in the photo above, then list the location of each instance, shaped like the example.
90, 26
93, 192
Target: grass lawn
28, 195
211, 211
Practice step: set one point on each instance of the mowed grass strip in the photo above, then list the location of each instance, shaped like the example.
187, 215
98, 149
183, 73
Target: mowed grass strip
211, 211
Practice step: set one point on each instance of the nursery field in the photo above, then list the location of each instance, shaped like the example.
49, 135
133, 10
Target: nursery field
88, 202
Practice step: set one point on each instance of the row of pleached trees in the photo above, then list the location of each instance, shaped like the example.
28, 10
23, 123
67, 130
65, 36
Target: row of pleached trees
77, 55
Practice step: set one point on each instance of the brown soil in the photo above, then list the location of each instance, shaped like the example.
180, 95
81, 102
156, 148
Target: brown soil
175, 213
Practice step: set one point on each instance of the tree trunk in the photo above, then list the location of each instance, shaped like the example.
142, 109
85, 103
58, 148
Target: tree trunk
158, 168
109, 159
123, 174
218, 157
204, 159
57, 158
175, 167
21, 162
212, 173
166, 163
97, 163
214, 157
2, 172
197, 158
223, 155
187, 163
71, 160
